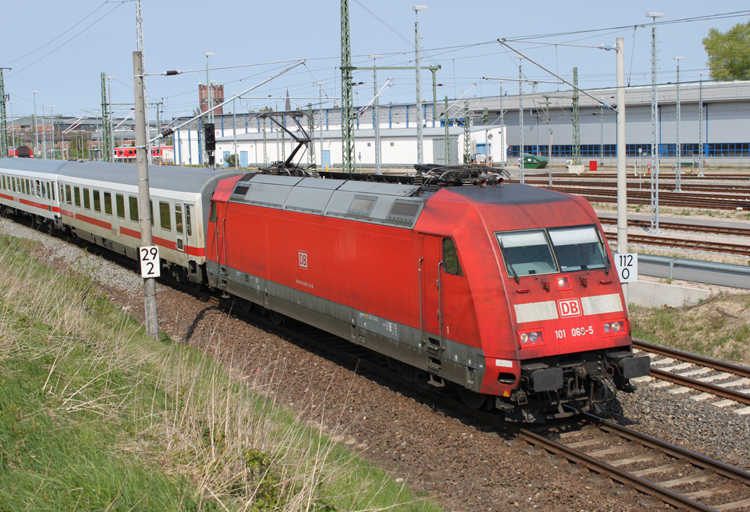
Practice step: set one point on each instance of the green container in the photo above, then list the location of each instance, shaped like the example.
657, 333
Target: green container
534, 162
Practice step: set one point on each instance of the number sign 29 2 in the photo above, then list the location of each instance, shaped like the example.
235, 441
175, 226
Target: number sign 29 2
149, 259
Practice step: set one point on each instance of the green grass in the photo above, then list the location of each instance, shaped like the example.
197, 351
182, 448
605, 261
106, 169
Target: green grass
94, 415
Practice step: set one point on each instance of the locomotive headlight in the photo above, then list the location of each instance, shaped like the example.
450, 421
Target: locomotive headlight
531, 338
563, 283
614, 328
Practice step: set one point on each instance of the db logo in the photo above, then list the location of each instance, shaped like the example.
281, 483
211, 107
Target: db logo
303, 259
569, 307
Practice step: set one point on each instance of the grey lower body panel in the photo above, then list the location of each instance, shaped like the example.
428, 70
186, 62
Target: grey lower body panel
447, 359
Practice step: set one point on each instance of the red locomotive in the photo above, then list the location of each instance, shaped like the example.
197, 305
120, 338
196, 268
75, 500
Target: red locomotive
505, 292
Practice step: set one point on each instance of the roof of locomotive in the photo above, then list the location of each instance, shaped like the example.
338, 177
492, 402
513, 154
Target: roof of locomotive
387, 203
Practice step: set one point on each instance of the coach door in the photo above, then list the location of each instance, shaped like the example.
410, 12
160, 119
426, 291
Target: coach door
183, 214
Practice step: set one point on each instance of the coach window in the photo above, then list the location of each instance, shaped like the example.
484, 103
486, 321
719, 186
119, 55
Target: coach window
77, 196
120, 203
164, 216
178, 219
13, 184
151, 207
133, 208
108, 203
86, 199
39, 189
97, 201
188, 222
29, 190
450, 258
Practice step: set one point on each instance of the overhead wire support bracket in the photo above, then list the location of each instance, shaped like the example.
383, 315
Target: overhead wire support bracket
597, 100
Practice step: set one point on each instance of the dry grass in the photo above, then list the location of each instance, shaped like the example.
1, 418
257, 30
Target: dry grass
718, 327
168, 426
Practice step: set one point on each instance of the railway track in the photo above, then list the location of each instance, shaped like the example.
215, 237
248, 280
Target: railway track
690, 371
663, 187
674, 226
674, 475
674, 199
701, 245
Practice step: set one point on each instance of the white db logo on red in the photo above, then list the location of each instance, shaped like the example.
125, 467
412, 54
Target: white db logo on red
569, 307
302, 259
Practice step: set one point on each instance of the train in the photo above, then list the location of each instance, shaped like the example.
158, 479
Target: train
501, 292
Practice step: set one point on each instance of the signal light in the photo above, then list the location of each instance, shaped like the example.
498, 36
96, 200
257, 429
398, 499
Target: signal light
563, 283
210, 130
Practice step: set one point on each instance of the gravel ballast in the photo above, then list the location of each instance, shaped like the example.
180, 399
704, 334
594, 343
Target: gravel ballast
459, 464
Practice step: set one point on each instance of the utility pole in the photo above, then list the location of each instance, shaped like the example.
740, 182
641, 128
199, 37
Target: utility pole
700, 127
347, 119
106, 125
376, 114
3, 121
12, 128
111, 114
467, 134
209, 98
601, 133
678, 147
576, 120
504, 140
311, 130
320, 109
622, 184
417, 8
144, 199
44, 135
520, 119
447, 122
654, 140
142, 50
158, 130
36, 130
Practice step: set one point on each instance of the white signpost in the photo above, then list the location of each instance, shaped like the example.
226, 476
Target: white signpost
627, 266
149, 259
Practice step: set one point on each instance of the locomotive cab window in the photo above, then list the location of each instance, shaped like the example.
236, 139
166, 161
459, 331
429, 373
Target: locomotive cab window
578, 248
451, 264
526, 253
214, 214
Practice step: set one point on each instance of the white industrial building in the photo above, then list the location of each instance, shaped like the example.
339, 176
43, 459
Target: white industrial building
547, 128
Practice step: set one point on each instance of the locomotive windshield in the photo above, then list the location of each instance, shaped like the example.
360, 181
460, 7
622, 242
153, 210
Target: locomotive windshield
547, 251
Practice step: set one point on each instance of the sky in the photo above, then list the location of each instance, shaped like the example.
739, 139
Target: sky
60, 48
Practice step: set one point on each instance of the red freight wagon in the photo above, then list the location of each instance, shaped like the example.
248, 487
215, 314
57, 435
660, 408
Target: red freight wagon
505, 292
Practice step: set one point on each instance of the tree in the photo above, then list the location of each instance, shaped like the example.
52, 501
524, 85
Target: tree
729, 52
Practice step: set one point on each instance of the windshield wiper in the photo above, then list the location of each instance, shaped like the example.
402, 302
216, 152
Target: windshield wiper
509, 265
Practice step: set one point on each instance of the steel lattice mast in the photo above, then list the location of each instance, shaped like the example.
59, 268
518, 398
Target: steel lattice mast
141, 50
106, 125
576, 120
3, 120
347, 120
